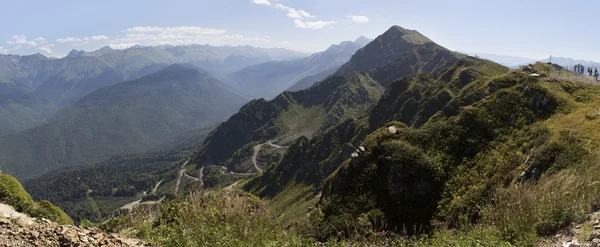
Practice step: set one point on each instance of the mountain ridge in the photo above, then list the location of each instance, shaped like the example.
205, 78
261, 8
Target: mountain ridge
266, 80
127, 117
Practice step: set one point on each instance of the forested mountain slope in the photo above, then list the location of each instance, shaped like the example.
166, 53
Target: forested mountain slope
128, 117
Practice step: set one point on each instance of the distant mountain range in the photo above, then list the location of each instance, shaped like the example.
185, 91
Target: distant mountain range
268, 79
515, 62
570, 62
508, 61
131, 116
25, 81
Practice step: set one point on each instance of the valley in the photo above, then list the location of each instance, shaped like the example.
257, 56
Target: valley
264, 132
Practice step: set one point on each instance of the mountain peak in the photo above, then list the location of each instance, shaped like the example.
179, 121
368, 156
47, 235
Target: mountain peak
106, 48
411, 36
384, 49
362, 40
74, 53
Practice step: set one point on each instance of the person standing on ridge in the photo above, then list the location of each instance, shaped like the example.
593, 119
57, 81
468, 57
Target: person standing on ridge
596, 74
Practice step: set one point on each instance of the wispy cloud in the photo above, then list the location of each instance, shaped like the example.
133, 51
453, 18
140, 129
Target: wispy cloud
359, 18
263, 2
184, 35
120, 46
46, 48
291, 12
298, 15
84, 40
176, 30
21, 40
313, 24
294, 13
68, 40
98, 38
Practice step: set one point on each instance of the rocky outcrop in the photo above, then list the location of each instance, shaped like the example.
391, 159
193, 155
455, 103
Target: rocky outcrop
19, 230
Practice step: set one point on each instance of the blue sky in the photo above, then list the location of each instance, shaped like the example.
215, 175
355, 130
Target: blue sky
533, 28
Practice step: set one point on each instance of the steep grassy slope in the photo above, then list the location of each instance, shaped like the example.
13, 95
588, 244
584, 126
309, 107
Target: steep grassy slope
328, 103
450, 168
289, 116
128, 117
411, 99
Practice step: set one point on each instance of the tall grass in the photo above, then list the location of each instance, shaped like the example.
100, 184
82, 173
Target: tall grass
525, 212
209, 219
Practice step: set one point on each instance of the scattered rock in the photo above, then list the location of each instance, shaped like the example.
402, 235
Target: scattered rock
46, 233
392, 129
595, 242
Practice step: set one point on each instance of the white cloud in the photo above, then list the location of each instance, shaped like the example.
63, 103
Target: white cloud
313, 24
291, 12
263, 2
4, 50
359, 18
184, 35
176, 30
21, 40
46, 48
84, 40
98, 38
120, 46
69, 40
294, 13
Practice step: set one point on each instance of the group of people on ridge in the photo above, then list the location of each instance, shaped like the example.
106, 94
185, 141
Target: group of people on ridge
591, 72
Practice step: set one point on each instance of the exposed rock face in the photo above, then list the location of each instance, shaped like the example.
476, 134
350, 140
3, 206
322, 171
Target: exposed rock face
46, 233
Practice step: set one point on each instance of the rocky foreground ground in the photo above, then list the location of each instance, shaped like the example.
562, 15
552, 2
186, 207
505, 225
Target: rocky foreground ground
19, 230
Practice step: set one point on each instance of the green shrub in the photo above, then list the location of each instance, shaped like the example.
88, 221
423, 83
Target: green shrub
12, 193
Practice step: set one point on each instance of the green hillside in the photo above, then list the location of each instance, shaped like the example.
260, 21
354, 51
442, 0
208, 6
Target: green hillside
132, 116
424, 147
13, 194
310, 112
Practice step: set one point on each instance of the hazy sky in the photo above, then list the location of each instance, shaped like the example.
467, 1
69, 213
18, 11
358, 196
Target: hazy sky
526, 28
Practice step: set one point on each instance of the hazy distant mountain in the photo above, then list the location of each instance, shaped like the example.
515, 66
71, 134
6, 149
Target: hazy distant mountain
21, 110
271, 78
63, 81
218, 60
570, 62
127, 117
508, 61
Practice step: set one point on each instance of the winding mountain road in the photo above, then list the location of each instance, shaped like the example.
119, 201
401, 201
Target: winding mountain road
183, 173
257, 149
157, 185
